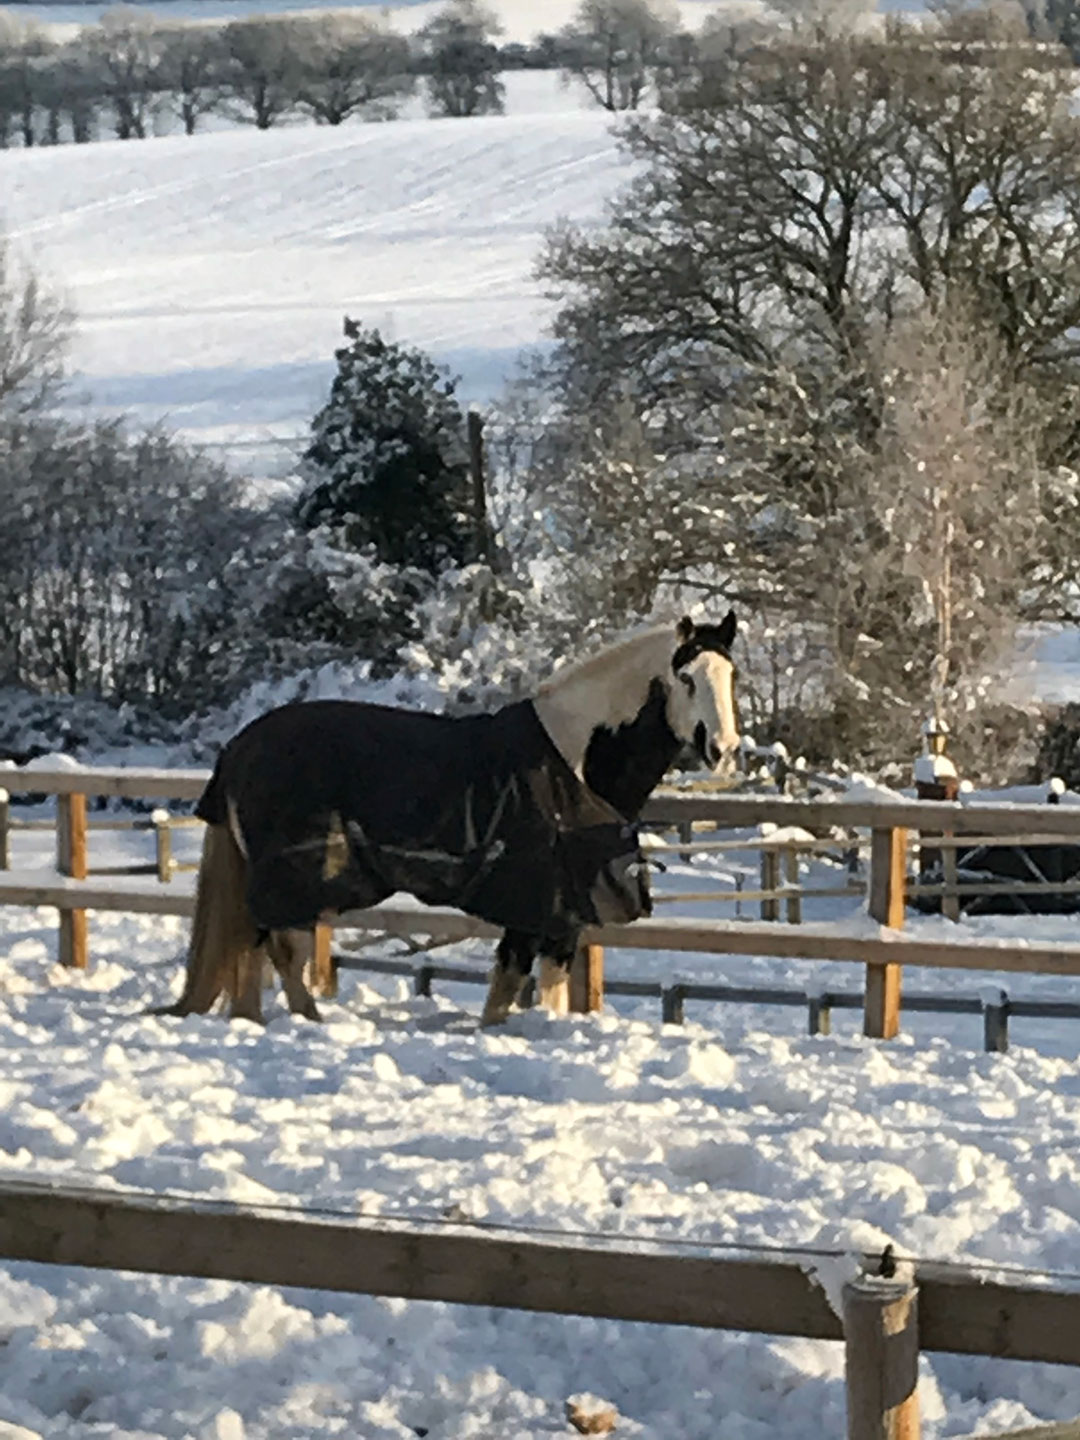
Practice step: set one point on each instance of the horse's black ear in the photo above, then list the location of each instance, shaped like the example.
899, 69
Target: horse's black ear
684, 629
727, 629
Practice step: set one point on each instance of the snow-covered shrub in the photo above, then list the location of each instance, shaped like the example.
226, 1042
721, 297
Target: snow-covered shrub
1058, 750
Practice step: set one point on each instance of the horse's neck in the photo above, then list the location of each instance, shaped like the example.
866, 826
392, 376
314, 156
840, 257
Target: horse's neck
624, 766
606, 691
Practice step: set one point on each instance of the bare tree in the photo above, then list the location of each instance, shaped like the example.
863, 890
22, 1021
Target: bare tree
460, 60
791, 210
193, 60
121, 546
614, 48
262, 72
126, 48
351, 65
74, 91
961, 470
25, 53
824, 17
34, 331
792, 195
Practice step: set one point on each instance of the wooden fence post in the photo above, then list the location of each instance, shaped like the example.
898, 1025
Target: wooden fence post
881, 1349
71, 860
323, 971
5, 830
791, 877
996, 1024
163, 842
881, 1015
770, 880
587, 980
819, 1015
950, 904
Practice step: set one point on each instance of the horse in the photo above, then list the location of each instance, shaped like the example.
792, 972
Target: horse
524, 816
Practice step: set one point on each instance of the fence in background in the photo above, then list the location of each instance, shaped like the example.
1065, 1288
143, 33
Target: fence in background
883, 952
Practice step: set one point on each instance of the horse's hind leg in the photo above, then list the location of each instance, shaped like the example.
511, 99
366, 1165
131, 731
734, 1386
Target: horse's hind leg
513, 962
245, 1001
290, 951
555, 961
554, 987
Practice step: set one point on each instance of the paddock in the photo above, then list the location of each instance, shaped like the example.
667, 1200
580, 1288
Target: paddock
411, 1055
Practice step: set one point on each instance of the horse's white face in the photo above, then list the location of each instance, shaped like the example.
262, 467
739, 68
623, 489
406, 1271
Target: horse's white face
701, 701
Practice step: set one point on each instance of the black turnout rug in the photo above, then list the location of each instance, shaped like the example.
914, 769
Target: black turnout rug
341, 803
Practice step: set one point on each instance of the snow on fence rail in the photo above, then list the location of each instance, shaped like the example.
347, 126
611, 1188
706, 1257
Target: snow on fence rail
883, 950
885, 1321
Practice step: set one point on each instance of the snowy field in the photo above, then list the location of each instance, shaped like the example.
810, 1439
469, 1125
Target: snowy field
521, 20
210, 276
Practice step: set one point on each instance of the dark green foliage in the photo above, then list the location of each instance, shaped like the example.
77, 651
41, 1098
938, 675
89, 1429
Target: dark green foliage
1059, 747
387, 467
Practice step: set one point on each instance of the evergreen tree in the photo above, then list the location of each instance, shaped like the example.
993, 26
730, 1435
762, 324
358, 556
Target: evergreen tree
387, 467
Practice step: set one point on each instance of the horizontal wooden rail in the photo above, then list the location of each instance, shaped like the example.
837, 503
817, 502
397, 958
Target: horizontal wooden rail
636, 1280
220, 1241
997, 887
125, 783
1061, 1430
871, 944
673, 995
745, 811
669, 807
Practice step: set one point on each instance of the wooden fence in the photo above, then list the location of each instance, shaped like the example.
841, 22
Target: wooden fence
883, 951
885, 1322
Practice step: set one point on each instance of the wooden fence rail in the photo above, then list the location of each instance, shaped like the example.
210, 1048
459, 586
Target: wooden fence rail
643, 1280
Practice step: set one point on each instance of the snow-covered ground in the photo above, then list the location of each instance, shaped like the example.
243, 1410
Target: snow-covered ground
735, 1129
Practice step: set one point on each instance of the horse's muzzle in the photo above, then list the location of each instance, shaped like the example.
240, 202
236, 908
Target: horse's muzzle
712, 752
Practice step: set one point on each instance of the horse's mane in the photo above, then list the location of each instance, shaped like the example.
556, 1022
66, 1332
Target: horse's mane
613, 657
606, 689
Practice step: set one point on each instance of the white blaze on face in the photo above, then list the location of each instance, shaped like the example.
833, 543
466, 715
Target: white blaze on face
702, 706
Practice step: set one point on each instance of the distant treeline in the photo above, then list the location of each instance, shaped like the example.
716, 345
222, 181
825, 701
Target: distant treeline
129, 71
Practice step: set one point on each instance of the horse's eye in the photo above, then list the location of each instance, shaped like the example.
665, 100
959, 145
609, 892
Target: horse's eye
688, 681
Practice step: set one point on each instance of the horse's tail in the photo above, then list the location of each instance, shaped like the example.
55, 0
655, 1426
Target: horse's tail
224, 940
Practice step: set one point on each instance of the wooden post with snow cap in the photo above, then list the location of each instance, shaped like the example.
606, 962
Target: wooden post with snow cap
770, 875
885, 902
71, 860
5, 830
881, 1351
587, 980
936, 779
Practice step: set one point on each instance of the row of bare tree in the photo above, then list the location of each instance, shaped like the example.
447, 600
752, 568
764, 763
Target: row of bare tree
131, 67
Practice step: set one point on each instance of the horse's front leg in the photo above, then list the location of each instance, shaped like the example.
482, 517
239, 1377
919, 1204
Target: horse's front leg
513, 965
554, 987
